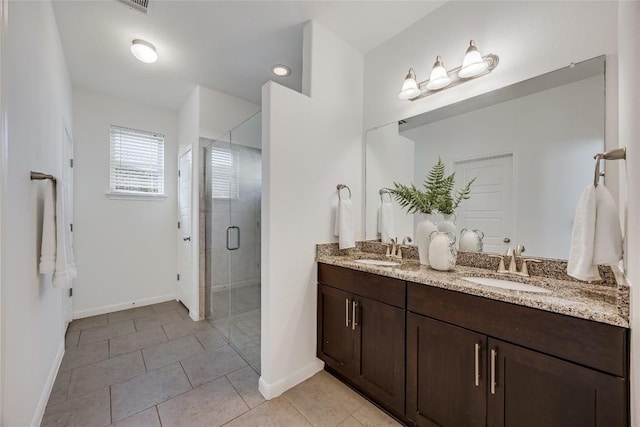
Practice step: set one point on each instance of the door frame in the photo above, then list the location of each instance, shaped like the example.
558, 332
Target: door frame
194, 309
514, 180
66, 134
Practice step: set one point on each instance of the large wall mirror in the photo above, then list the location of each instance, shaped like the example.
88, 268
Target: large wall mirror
530, 147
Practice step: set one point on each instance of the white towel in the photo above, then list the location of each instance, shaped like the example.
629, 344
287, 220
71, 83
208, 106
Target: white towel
386, 225
596, 237
65, 265
48, 248
344, 224
608, 241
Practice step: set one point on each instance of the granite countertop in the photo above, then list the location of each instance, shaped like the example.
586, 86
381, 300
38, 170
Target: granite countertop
605, 304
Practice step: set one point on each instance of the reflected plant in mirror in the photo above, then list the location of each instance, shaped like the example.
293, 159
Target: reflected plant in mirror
438, 194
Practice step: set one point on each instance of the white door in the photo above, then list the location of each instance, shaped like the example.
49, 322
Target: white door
184, 232
67, 181
491, 206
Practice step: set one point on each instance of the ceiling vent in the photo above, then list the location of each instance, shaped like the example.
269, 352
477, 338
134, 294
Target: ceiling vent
141, 5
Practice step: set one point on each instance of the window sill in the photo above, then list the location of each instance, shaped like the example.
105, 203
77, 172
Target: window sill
136, 196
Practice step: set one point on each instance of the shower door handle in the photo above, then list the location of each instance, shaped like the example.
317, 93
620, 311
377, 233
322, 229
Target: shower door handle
237, 229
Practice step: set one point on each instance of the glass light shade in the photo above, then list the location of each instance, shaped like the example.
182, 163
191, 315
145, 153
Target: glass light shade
410, 87
439, 78
281, 70
144, 51
472, 64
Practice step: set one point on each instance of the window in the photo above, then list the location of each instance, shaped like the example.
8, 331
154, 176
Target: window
137, 162
225, 170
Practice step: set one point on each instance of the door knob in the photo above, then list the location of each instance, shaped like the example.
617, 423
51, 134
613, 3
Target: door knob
506, 240
187, 239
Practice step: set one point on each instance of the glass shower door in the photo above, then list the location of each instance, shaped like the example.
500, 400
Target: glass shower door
243, 240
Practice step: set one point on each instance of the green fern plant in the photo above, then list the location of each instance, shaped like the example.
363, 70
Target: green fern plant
437, 193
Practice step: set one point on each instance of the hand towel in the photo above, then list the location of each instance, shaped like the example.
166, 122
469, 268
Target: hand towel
344, 224
608, 234
386, 225
48, 246
596, 237
65, 265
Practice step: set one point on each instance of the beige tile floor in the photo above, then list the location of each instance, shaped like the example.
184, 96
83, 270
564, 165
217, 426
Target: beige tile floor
154, 367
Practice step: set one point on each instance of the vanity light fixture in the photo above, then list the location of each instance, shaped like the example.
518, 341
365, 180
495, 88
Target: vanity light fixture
144, 51
281, 70
473, 65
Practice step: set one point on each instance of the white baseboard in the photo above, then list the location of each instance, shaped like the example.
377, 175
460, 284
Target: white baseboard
122, 306
270, 391
48, 387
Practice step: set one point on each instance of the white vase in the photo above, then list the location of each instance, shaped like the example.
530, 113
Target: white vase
448, 224
425, 227
471, 240
442, 251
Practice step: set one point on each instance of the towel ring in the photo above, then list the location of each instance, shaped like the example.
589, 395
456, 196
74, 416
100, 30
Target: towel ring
382, 192
340, 187
615, 154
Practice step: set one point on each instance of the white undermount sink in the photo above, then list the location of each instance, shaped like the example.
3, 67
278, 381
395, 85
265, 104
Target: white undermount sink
379, 262
507, 284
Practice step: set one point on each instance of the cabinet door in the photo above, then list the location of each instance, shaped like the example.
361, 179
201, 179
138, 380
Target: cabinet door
379, 351
446, 374
335, 336
533, 389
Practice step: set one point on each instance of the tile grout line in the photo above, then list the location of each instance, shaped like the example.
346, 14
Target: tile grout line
185, 374
143, 361
110, 406
158, 414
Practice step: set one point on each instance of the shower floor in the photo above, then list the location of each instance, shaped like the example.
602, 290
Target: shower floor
239, 320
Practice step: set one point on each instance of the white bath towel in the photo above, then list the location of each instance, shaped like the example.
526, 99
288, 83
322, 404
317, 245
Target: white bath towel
65, 265
596, 237
344, 224
48, 247
386, 225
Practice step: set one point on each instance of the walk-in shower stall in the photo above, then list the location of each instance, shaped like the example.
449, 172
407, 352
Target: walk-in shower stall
230, 200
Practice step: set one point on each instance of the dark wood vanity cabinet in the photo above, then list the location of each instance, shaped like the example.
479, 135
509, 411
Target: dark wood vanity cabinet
361, 327
461, 374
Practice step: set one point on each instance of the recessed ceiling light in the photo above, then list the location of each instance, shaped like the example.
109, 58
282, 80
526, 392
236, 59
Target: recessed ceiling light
144, 51
281, 70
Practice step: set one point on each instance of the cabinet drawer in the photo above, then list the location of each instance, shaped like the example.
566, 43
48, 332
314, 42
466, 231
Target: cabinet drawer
593, 344
378, 288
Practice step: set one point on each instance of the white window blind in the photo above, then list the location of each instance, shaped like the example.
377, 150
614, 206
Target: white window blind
225, 170
137, 162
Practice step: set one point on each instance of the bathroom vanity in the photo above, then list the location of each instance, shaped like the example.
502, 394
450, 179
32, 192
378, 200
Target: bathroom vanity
434, 349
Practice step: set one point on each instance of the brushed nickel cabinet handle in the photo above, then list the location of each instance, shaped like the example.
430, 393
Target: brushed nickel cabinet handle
477, 364
354, 323
494, 354
346, 312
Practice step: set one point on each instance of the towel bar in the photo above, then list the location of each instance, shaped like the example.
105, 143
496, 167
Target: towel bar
615, 154
40, 175
340, 187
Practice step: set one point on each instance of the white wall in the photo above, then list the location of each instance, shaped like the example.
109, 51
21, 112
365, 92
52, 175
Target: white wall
310, 144
125, 248
37, 95
219, 112
629, 133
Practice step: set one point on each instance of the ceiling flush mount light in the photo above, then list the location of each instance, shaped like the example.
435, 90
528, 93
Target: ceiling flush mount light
473, 65
144, 51
281, 70
409, 86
